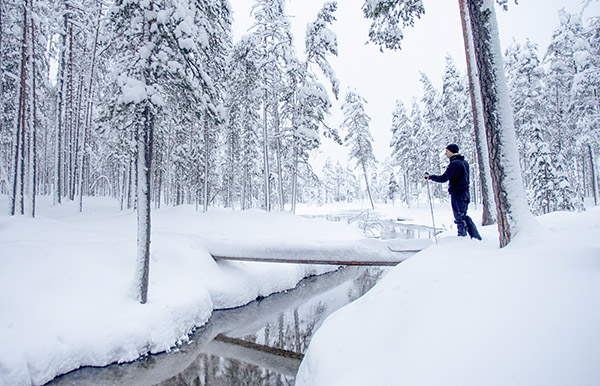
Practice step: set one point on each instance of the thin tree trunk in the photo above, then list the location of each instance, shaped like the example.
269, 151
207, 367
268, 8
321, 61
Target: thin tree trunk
266, 171
1, 93
206, 163
33, 122
593, 174
228, 197
58, 175
485, 177
70, 119
278, 156
77, 141
295, 176
364, 167
19, 164
144, 188
144, 162
245, 186
406, 192
512, 212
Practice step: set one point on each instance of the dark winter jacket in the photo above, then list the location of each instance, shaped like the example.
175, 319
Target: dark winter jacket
457, 173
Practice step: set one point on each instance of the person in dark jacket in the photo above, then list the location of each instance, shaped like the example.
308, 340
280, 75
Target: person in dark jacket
457, 175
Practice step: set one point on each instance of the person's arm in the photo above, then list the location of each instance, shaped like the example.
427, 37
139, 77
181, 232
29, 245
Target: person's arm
442, 178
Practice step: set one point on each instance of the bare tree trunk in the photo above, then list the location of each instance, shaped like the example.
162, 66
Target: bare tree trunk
145, 142
33, 122
512, 212
485, 177
593, 174
206, 163
58, 175
143, 204
295, 176
19, 164
1, 96
70, 119
278, 156
88, 111
245, 186
406, 191
77, 141
267, 172
364, 167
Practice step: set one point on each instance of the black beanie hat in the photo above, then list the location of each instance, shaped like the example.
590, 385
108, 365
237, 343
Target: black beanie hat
453, 148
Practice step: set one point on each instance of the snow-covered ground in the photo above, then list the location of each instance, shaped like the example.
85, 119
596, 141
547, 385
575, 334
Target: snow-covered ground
66, 280
461, 312
468, 313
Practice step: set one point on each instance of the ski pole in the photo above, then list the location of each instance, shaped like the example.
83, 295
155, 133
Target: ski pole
431, 207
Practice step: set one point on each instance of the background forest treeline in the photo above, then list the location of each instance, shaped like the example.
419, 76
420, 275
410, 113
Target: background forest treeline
233, 124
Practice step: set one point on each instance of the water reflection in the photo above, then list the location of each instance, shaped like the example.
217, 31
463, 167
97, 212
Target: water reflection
374, 226
278, 329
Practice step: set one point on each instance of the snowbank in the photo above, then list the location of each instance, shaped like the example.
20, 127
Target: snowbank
468, 313
66, 291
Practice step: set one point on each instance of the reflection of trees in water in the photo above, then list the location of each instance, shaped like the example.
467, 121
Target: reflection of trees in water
365, 282
292, 331
210, 370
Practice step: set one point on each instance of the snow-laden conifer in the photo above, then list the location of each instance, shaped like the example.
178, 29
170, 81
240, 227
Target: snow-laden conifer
358, 137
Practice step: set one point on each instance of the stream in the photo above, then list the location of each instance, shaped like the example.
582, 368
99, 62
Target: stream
261, 343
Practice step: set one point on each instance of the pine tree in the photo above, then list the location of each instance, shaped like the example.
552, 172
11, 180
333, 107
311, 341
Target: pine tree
243, 101
163, 59
488, 216
511, 203
453, 98
358, 137
525, 77
585, 104
543, 174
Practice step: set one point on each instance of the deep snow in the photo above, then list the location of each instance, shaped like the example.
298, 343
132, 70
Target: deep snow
468, 313
66, 280
461, 312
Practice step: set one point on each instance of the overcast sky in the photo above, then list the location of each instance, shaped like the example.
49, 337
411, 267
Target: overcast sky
382, 78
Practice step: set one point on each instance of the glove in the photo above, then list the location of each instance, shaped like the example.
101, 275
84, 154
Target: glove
426, 175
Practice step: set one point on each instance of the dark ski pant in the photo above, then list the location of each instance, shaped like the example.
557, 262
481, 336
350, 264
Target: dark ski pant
464, 223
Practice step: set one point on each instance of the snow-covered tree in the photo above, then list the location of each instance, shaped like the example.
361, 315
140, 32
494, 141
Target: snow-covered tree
162, 59
485, 178
243, 131
512, 211
456, 129
358, 137
307, 99
389, 17
525, 77
542, 171
273, 31
585, 104
401, 143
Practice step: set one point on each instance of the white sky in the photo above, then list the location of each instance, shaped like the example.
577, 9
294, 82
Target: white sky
381, 78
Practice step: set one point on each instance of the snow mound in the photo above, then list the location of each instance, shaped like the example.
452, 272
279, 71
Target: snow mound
468, 313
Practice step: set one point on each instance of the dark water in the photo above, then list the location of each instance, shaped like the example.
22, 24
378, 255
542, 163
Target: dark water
261, 343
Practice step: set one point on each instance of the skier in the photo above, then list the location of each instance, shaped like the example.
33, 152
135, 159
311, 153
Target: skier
457, 173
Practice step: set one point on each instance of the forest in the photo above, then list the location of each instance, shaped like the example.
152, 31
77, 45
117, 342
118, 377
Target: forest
102, 98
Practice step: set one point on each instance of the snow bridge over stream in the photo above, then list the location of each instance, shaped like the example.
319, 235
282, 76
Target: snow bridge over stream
366, 252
